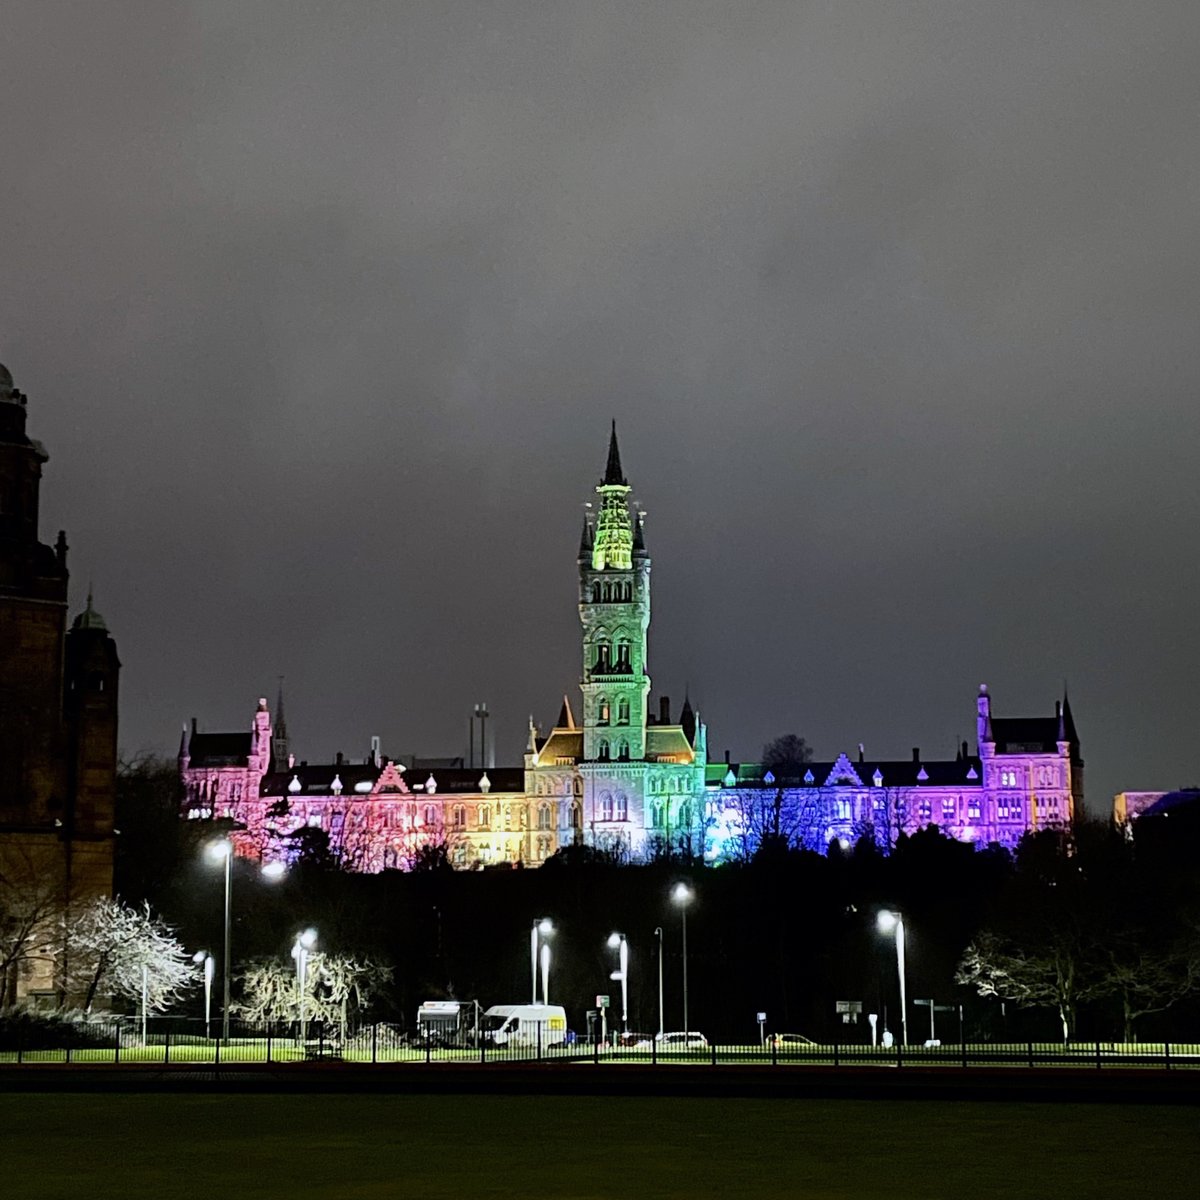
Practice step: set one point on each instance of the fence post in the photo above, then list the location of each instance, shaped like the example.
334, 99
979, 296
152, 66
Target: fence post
1031, 1054
837, 1054
428, 1046
375, 1043
539, 1041
167, 1047
713, 1047
68, 1054
116, 1044
1167, 1055
217, 1053
1098, 1061
596, 1052
321, 1040
964, 1054
774, 1053
270, 1028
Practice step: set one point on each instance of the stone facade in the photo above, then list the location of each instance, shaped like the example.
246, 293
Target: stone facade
58, 705
624, 777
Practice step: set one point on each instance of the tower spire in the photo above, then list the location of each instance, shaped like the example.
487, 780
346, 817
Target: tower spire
612, 472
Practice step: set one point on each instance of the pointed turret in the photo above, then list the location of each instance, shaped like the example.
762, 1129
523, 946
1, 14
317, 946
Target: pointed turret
687, 719
613, 474
279, 736
585, 541
566, 719
531, 745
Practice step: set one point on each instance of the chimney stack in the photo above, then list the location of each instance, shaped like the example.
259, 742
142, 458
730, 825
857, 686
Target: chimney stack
664, 710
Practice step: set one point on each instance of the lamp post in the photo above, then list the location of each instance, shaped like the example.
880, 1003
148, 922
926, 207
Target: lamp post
545, 973
618, 943
658, 933
543, 927
221, 853
889, 922
300, 949
203, 956
683, 896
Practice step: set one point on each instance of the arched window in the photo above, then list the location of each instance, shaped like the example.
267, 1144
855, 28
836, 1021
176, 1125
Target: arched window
685, 815
508, 815
485, 816
544, 816
629, 591
576, 816
595, 593
624, 651
606, 806
523, 816
430, 815
656, 814
623, 711
603, 655
602, 749
459, 816
621, 810
623, 752
603, 711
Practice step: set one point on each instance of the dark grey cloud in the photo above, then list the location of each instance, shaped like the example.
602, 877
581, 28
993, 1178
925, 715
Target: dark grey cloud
323, 311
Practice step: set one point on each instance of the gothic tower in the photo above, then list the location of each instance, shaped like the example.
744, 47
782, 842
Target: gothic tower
614, 609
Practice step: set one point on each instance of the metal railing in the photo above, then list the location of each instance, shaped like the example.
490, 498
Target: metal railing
180, 1041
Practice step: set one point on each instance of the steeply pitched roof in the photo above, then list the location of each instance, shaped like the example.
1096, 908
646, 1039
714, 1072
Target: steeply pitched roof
220, 749
902, 772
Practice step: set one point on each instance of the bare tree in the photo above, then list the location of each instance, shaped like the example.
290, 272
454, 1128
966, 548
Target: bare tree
336, 987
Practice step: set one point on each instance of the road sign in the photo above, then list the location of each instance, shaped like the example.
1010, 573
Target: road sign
601, 1001
849, 1006
761, 1018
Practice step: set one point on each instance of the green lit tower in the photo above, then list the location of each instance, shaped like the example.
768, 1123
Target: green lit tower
614, 609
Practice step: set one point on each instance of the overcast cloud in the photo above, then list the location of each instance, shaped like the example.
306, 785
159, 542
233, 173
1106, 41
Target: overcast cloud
323, 310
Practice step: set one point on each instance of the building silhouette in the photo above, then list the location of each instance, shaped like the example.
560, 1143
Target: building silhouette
58, 712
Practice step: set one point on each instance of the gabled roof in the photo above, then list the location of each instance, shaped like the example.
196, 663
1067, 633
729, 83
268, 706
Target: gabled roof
363, 781
904, 772
562, 743
220, 749
1034, 735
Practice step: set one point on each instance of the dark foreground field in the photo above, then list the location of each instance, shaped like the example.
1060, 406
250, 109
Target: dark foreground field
362, 1147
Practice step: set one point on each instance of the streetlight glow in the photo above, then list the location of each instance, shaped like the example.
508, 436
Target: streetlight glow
541, 929
308, 939
274, 871
218, 852
614, 940
682, 894
889, 922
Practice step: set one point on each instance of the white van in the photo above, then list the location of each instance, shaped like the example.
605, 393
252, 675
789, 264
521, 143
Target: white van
518, 1025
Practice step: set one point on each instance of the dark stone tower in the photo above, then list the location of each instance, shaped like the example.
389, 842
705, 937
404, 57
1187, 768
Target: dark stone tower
58, 703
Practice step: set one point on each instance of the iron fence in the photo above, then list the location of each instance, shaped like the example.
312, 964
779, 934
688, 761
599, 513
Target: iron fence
167, 1040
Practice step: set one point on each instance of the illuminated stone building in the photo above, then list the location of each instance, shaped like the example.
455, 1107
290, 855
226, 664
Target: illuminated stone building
1026, 773
626, 777
58, 707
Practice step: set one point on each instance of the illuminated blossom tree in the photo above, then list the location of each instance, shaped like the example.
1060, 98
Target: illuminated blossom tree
337, 987
110, 949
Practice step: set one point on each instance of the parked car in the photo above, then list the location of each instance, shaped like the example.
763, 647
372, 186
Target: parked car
790, 1041
681, 1043
634, 1041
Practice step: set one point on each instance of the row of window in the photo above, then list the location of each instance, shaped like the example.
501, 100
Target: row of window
604, 711
613, 592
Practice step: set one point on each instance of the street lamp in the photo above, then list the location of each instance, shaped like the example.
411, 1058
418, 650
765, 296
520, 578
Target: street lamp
543, 928
203, 956
889, 922
221, 853
300, 949
617, 942
658, 933
683, 895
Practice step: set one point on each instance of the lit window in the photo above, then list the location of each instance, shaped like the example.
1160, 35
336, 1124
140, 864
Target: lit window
543, 816
606, 806
622, 808
485, 816
460, 816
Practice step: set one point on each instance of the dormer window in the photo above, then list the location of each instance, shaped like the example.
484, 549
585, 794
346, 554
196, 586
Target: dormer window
877, 778
336, 786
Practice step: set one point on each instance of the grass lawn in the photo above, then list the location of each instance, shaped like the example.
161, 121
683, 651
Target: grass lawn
363, 1147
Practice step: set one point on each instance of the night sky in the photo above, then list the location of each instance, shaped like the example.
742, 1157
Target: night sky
323, 311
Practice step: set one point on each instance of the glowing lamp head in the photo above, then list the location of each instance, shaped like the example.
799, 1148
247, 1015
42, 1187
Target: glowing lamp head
545, 927
308, 939
888, 921
681, 894
614, 940
274, 871
199, 956
219, 851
